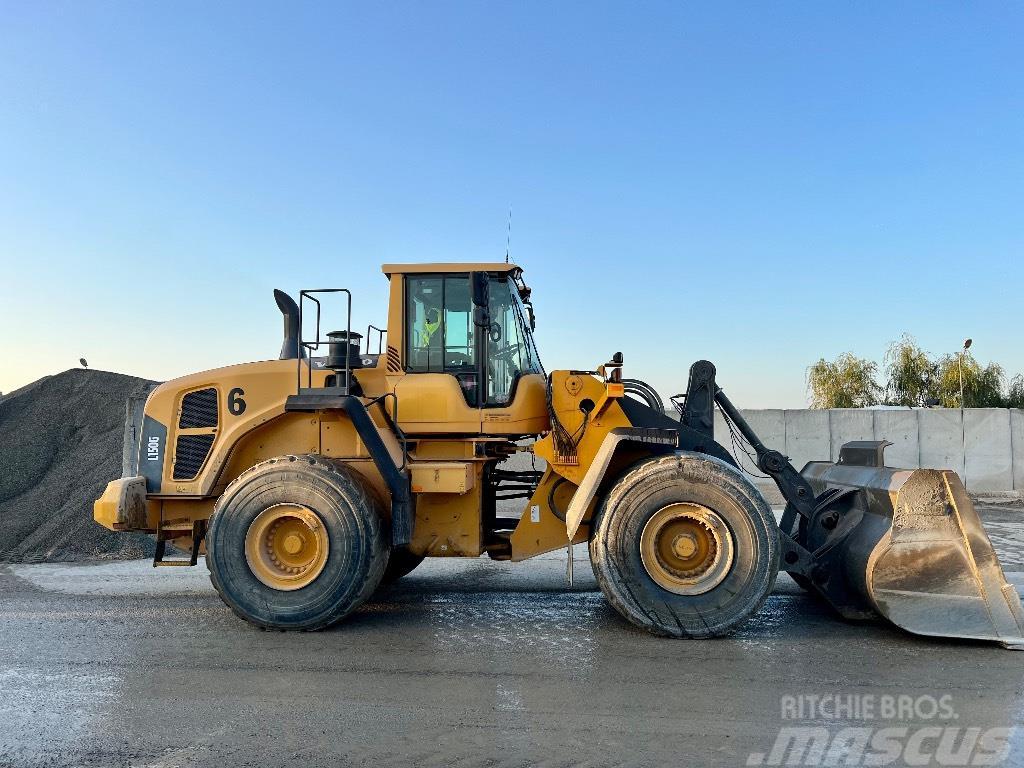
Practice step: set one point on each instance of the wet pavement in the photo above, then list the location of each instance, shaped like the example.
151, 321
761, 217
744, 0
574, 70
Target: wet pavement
472, 663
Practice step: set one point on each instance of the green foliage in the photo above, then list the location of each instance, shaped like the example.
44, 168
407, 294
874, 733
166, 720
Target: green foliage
1015, 393
913, 379
983, 387
912, 375
846, 382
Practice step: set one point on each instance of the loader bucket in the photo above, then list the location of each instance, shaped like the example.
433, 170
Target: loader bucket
908, 545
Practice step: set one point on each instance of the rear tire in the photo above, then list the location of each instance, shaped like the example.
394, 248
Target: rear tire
401, 563
345, 568
742, 550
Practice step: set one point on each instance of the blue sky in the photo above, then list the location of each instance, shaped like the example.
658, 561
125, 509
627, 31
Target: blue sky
760, 184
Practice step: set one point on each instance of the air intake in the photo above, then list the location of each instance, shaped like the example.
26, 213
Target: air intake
190, 452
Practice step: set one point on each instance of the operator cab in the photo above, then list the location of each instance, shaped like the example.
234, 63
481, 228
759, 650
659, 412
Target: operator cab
471, 324
474, 326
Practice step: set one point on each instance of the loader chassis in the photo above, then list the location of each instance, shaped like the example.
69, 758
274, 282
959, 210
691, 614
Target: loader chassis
311, 479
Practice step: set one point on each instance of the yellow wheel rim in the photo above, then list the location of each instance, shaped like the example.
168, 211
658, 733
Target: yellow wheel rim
286, 546
686, 548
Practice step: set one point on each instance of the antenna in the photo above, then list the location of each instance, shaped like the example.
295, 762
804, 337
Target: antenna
508, 235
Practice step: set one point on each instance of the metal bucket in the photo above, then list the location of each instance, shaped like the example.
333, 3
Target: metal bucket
910, 546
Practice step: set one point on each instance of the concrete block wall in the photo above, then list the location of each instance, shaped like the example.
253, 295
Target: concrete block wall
988, 465
941, 435
1017, 447
985, 447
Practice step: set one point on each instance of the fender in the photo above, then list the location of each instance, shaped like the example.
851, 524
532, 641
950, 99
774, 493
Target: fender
403, 504
666, 439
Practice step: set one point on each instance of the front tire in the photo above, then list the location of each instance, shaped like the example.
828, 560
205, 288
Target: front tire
685, 546
296, 542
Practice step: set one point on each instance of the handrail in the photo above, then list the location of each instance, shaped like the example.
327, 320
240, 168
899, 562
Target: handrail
315, 345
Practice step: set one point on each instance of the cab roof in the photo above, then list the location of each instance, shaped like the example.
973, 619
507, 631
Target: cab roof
449, 266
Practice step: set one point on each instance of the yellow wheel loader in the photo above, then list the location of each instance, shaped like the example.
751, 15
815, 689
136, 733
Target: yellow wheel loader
310, 480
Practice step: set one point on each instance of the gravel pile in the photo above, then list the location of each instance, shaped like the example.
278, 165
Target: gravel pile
60, 443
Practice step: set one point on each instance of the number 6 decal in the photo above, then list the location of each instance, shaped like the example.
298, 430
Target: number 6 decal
236, 405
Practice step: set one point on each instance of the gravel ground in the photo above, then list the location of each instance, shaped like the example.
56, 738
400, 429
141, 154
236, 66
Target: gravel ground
60, 443
464, 662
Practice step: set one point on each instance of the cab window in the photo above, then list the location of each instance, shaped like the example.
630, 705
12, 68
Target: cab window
510, 348
439, 329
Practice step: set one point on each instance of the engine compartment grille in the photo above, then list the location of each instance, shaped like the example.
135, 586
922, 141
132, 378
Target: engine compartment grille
190, 451
199, 409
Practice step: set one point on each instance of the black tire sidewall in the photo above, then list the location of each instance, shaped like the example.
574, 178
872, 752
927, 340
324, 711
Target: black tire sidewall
355, 538
700, 479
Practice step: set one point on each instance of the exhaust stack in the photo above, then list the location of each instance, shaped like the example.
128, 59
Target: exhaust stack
290, 348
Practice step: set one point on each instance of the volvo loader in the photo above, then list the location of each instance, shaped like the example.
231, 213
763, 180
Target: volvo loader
310, 480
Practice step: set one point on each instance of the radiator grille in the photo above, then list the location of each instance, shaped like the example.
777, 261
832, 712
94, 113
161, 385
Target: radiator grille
189, 454
199, 409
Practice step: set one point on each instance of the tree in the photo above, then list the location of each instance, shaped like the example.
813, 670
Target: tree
1015, 394
911, 374
846, 382
983, 387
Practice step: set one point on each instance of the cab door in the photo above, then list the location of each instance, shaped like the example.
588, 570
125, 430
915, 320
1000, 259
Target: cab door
440, 393
514, 391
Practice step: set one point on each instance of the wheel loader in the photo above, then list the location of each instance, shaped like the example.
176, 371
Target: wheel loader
310, 480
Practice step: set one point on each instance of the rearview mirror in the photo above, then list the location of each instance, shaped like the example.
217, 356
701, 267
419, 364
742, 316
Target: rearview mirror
481, 317
481, 289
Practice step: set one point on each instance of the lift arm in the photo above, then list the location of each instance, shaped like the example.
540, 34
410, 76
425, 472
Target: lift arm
698, 413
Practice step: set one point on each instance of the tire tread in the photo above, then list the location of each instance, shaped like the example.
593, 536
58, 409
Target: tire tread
609, 530
370, 527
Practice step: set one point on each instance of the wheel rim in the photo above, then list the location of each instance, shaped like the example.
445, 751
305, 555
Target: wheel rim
286, 546
687, 548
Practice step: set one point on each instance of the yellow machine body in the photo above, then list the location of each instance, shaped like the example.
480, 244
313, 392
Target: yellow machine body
427, 423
